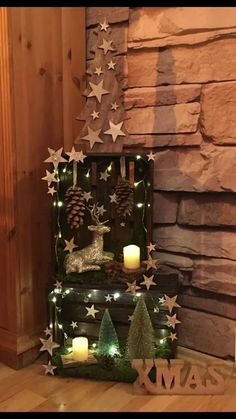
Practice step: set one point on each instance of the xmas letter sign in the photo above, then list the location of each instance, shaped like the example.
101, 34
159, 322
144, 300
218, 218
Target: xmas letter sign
178, 377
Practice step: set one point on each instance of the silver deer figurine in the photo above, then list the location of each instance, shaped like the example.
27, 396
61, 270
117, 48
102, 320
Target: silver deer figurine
91, 257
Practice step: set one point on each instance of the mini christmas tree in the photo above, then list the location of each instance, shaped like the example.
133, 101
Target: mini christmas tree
108, 344
140, 342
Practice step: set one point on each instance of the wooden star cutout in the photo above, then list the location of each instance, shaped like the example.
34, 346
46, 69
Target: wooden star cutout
48, 345
55, 157
87, 196
104, 175
151, 156
97, 90
49, 368
106, 46
93, 137
122, 224
48, 331
50, 177
91, 311
115, 130
148, 281
70, 245
173, 336
98, 71
130, 318
113, 198
101, 210
108, 298
171, 302
77, 156
51, 190
172, 321
132, 287
161, 300
95, 115
151, 247
111, 65
58, 284
74, 324
114, 106
151, 263
104, 26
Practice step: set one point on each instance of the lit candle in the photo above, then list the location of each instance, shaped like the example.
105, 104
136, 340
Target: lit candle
80, 348
131, 256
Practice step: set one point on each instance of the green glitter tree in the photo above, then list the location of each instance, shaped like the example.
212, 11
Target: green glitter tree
108, 344
141, 342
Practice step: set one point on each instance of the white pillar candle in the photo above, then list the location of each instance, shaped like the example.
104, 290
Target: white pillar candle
131, 256
80, 348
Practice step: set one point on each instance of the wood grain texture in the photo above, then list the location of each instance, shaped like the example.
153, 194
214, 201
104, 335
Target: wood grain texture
32, 118
30, 390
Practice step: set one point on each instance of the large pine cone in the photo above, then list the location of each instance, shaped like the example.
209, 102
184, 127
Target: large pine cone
75, 207
125, 198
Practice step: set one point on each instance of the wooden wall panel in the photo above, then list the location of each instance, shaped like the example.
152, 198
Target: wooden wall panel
36, 116
74, 67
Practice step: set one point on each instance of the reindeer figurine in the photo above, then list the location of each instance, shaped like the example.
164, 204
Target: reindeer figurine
92, 256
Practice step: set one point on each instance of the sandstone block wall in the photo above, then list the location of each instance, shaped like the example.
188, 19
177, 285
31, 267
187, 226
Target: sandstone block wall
178, 71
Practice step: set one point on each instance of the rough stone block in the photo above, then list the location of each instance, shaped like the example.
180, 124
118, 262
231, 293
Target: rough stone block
205, 209
206, 242
170, 140
165, 207
163, 119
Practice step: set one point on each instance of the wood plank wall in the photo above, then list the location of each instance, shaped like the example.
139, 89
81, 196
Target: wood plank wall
42, 76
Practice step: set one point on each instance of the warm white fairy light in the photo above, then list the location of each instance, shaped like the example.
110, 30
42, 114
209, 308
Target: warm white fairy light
54, 299
113, 350
162, 341
109, 167
60, 203
87, 174
116, 295
138, 294
94, 345
64, 170
140, 204
54, 203
51, 325
60, 326
57, 290
89, 295
137, 183
138, 157
67, 291
59, 235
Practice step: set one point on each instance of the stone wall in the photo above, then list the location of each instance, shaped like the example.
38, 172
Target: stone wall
178, 71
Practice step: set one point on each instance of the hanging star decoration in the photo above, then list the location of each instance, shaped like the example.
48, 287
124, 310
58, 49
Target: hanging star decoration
93, 137
48, 345
114, 106
51, 190
49, 368
98, 71
58, 284
70, 245
104, 175
151, 156
87, 196
173, 336
55, 157
171, 302
148, 281
77, 156
97, 90
101, 210
106, 46
91, 311
108, 298
122, 224
95, 115
172, 321
113, 198
74, 324
151, 263
161, 300
50, 177
115, 130
151, 247
48, 331
132, 287
104, 26
111, 65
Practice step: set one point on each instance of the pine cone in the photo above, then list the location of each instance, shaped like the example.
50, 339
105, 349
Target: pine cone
75, 207
125, 198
